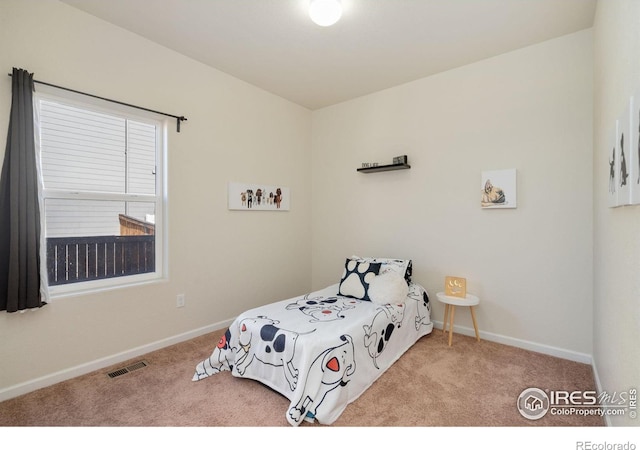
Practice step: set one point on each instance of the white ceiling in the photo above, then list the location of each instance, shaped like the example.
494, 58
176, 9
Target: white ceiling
376, 45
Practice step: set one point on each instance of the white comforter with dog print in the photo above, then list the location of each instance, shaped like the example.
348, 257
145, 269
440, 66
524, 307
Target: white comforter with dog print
320, 350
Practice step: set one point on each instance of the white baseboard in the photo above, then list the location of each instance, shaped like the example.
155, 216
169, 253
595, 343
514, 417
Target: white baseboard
67, 374
520, 343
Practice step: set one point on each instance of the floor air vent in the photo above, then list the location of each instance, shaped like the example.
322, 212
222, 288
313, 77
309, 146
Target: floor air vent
125, 370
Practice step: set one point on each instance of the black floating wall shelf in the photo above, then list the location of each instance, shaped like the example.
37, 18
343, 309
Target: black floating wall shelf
384, 168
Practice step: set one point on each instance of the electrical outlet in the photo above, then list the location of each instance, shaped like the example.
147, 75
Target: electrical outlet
180, 301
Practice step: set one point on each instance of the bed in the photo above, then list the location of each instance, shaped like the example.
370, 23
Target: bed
322, 350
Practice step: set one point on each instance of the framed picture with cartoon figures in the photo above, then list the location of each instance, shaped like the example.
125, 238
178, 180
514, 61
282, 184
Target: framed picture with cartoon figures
498, 189
258, 197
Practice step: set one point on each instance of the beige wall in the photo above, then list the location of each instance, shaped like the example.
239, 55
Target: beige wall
616, 230
224, 261
530, 110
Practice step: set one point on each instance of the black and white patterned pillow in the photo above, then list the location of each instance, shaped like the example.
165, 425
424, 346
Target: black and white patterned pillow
403, 267
356, 278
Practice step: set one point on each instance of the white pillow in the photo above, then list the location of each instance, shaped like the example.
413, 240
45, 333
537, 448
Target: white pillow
388, 287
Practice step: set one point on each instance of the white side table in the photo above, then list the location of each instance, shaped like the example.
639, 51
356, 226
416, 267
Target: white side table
450, 304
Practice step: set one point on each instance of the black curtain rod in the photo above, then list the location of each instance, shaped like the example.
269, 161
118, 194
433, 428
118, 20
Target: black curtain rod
179, 119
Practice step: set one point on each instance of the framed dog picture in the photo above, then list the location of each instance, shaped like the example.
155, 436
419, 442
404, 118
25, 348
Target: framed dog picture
612, 167
634, 148
623, 160
498, 189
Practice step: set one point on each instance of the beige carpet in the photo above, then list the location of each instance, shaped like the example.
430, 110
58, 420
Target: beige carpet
473, 384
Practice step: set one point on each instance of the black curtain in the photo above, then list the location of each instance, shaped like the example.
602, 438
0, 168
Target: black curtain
19, 210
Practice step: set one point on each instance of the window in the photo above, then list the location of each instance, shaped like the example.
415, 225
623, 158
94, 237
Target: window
102, 190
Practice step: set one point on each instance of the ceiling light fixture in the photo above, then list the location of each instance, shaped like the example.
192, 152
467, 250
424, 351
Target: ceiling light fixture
325, 12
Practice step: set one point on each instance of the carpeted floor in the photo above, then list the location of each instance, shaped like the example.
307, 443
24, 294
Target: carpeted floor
472, 384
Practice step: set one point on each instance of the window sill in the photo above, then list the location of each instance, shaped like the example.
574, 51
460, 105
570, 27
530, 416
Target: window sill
100, 286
